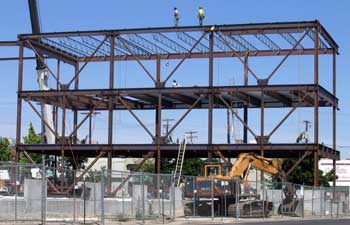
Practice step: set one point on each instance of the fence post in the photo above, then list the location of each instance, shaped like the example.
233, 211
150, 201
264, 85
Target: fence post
162, 193
303, 200
74, 186
264, 198
84, 201
282, 190
17, 183
212, 198
237, 198
43, 189
143, 199
194, 195
312, 202
122, 182
94, 181
173, 196
102, 198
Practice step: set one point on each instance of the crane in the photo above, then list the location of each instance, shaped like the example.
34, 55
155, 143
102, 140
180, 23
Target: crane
42, 76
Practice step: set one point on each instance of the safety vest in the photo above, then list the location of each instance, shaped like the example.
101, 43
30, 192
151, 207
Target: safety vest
201, 12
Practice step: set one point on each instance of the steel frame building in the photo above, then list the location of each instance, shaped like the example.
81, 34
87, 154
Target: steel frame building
166, 43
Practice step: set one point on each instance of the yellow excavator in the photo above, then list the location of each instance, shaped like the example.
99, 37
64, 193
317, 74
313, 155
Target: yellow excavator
227, 180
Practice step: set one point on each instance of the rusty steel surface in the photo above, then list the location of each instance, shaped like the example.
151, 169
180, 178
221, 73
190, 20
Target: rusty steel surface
277, 96
240, 41
285, 150
168, 42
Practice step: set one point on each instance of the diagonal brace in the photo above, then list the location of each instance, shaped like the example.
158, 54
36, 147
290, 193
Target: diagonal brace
149, 154
102, 153
239, 58
185, 57
40, 171
46, 124
236, 114
43, 61
135, 116
286, 116
138, 60
86, 117
183, 116
286, 56
297, 163
87, 61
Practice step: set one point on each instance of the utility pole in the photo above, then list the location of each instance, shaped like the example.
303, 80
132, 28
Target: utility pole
190, 136
307, 126
167, 125
90, 122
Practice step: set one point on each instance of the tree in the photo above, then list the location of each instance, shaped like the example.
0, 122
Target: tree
35, 138
303, 173
5, 152
32, 138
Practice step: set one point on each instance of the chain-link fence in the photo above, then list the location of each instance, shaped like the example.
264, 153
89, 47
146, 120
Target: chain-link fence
39, 193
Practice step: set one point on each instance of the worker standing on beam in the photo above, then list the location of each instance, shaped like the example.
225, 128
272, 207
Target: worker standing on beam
201, 15
176, 16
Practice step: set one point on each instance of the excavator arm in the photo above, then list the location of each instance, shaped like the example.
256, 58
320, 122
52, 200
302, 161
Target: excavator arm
245, 161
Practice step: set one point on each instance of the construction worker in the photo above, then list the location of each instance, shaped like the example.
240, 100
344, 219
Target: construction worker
175, 85
201, 15
176, 16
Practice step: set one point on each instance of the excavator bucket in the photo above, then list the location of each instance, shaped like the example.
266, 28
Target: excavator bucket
251, 209
293, 207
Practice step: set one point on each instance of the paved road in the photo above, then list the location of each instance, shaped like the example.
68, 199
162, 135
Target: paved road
301, 222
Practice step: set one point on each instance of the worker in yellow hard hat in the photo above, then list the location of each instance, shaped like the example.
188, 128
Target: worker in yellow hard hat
200, 15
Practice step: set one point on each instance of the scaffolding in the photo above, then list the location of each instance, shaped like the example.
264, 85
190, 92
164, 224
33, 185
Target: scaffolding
239, 41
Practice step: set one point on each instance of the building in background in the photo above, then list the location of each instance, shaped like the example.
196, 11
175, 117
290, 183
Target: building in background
342, 170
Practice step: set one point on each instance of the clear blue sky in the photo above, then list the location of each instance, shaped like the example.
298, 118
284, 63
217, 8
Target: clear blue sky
110, 14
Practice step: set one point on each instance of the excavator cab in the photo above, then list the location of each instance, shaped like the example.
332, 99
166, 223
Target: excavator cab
214, 169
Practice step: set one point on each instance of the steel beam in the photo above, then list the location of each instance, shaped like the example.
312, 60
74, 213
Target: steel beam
90, 166
183, 117
110, 111
238, 117
306, 154
286, 56
77, 73
210, 97
334, 65
19, 100
316, 107
205, 55
42, 119
136, 117
138, 60
185, 57
40, 58
147, 156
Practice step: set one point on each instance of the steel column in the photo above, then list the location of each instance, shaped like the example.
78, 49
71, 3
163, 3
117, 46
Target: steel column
63, 139
158, 131
316, 107
158, 121
245, 109
19, 100
210, 96
334, 117
262, 128
75, 116
57, 88
110, 111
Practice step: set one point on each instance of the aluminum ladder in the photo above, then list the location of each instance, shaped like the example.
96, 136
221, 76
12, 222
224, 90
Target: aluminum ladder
179, 162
